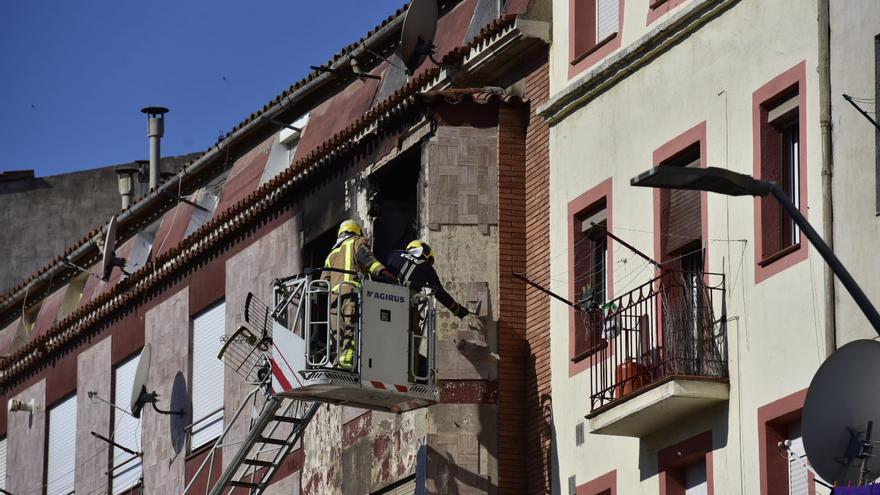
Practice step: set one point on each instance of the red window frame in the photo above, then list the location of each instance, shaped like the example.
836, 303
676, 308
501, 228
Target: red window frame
696, 135
603, 485
769, 260
674, 459
576, 208
584, 50
773, 421
659, 8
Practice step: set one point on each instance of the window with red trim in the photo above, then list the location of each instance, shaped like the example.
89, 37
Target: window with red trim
780, 150
779, 118
681, 241
782, 455
590, 276
686, 467
595, 23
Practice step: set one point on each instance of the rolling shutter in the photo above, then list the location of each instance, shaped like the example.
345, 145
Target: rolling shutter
207, 376
798, 483
3, 464
126, 470
62, 448
607, 18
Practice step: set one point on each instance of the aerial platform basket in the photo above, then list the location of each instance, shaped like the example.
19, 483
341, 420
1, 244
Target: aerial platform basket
370, 347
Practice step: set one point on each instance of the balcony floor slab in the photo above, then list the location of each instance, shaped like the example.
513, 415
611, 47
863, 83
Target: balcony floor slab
648, 410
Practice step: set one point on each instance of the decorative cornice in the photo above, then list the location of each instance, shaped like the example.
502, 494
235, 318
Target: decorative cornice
630, 59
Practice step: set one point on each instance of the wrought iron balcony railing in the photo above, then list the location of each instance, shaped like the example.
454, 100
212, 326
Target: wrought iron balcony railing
671, 327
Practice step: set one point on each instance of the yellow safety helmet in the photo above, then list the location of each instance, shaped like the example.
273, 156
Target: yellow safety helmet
349, 227
421, 250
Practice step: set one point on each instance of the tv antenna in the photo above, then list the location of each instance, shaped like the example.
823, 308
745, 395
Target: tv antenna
108, 255
417, 34
839, 413
139, 395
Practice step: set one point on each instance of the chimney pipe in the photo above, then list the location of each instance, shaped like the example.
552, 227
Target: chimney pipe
143, 167
155, 131
126, 175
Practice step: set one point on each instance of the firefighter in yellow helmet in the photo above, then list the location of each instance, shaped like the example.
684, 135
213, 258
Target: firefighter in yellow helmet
349, 257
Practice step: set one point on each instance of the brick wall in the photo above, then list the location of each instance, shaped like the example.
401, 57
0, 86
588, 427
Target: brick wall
537, 239
512, 322
93, 373
524, 334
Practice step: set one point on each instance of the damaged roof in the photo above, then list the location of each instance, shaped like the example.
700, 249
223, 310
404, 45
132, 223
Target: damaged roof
249, 202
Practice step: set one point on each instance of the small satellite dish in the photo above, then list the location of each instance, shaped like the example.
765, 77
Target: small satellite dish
139, 395
417, 34
108, 258
839, 412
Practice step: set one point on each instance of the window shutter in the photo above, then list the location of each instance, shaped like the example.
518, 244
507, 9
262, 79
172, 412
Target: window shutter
797, 473
607, 18
3, 464
684, 220
62, 448
209, 328
127, 431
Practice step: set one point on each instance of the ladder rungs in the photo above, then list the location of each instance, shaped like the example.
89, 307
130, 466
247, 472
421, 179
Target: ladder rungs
272, 441
286, 419
244, 484
255, 462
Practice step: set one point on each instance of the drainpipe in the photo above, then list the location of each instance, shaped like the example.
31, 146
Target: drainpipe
155, 131
824, 19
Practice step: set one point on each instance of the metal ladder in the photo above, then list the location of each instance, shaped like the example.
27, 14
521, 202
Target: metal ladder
264, 448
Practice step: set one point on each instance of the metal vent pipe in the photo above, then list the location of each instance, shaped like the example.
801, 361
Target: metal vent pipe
127, 177
155, 131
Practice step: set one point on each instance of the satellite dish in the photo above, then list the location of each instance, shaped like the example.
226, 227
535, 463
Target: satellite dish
108, 258
841, 406
139, 395
417, 34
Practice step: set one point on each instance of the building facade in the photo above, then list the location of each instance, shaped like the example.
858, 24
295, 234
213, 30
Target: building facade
705, 317
445, 153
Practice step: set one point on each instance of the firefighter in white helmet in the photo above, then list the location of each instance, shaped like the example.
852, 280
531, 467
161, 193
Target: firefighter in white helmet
414, 267
349, 257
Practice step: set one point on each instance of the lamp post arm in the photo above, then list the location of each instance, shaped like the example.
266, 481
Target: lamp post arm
836, 266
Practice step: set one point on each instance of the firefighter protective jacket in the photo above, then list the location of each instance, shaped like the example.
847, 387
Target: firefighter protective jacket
417, 273
350, 253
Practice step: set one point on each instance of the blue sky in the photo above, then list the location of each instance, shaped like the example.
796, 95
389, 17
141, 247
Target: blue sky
75, 73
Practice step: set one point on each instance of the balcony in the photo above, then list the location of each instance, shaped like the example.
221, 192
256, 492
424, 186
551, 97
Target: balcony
660, 353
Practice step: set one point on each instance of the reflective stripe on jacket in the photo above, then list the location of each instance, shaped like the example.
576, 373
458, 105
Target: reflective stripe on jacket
352, 255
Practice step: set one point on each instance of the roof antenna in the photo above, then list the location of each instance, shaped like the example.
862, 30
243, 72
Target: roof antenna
108, 255
417, 34
139, 395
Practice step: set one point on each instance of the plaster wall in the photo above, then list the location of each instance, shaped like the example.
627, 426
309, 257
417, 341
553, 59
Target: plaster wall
635, 26
775, 333
275, 255
856, 221
94, 374
26, 443
167, 331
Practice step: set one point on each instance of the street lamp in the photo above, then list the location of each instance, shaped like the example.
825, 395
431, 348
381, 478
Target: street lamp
723, 181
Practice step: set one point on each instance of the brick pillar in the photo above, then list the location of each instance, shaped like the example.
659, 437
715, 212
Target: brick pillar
537, 245
512, 315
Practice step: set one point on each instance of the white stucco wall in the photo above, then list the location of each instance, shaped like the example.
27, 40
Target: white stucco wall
856, 224
776, 329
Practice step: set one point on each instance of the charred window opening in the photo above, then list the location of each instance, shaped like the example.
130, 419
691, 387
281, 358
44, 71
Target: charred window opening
315, 251
394, 204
